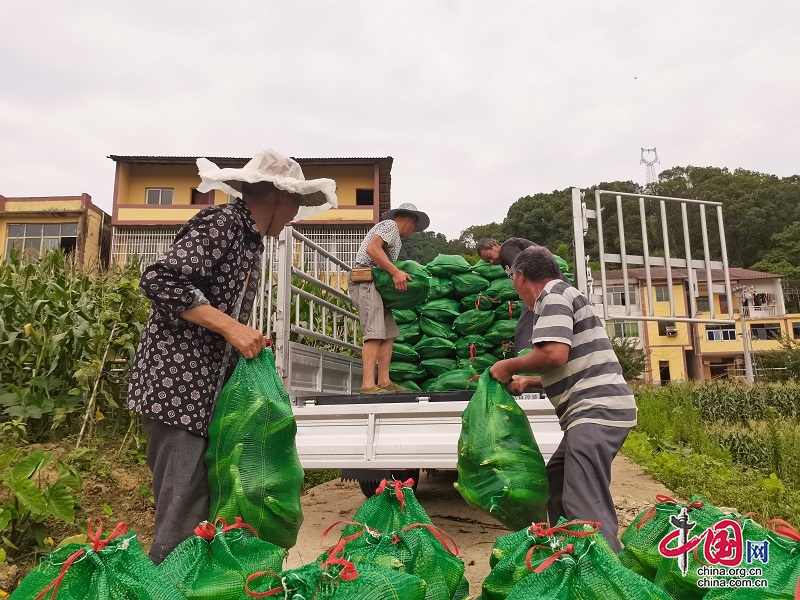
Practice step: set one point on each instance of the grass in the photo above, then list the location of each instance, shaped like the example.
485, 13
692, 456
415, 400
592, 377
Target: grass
315, 477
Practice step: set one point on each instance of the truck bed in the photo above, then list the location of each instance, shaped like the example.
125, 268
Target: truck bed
414, 430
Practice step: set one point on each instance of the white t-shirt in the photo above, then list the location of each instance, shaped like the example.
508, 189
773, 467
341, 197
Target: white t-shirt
390, 234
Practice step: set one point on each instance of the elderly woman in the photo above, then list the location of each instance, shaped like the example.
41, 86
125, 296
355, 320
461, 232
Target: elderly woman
203, 289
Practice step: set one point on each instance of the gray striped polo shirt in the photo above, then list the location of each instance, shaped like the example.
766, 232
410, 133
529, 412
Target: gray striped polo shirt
589, 388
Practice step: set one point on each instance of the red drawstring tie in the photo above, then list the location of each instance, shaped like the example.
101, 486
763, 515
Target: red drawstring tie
351, 537
506, 347
541, 530
207, 530
439, 533
550, 560
472, 352
349, 571
662, 499
256, 575
510, 310
98, 543
398, 490
783, 528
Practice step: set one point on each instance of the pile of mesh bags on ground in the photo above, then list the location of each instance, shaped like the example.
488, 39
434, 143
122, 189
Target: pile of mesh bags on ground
462, 325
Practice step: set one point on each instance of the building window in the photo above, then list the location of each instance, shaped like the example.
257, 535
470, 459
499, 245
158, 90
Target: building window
723, 304
662, 293
765, 331
159, 196
667, 328
703, 304
622, 329
365, 197
33, 239
199, 197
615, 296
796, 330
720, 333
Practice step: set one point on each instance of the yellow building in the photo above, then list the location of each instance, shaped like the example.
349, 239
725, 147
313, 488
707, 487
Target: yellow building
155, 195
679, 351
72, 223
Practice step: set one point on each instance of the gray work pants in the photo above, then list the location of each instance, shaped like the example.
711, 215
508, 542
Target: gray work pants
523, 331
579, 474
177, 459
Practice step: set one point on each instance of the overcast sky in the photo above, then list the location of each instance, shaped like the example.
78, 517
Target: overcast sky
478, 102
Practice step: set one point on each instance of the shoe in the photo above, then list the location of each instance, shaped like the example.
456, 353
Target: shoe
393, 387
375, 389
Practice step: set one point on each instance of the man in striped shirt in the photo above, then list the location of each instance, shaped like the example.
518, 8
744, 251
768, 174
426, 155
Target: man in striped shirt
583, 379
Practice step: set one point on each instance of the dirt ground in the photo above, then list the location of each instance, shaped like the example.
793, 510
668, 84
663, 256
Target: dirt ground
473, 530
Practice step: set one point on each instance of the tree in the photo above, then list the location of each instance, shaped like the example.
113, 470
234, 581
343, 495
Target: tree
784, 257
423, 246
631, 358
470, 236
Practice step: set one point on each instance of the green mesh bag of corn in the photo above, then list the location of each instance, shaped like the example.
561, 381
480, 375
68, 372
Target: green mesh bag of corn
416, 291
404, 353
413, 546
479, 301
500, 467
411, 386
473, 322
439, 366
512, 553
567, 566
107, 568
488, 270
218, 559
403, 317
510, 309
504, 350
460, 379
563, 265
443, 310
501, 331
441, 287
409, 333
502, 289
470, 345
436, 329
447, 265
435, 347
780, 544
641, 538
480, 362
334, 577
469, 283
254, 471
406, 371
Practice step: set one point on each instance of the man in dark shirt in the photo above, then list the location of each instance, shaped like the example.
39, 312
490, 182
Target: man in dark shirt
203, 289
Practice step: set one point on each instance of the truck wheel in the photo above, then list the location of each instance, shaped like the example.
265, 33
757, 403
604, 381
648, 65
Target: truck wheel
368, 486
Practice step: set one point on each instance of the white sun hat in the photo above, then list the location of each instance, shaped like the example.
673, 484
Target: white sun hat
284, 173
423, 221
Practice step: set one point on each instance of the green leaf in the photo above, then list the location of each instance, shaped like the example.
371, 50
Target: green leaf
6, 458
69, 476
30, 465
28, 494
2, 555
5, 517
108, 510
61, 503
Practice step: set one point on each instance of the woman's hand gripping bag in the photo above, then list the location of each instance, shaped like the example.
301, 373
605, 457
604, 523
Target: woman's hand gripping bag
500, 467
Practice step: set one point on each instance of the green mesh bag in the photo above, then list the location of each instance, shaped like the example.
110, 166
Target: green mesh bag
501, 331
470, 345
416, 291
576, 568
500, 467
447, 265
441, 287
410, 385
502, 290
439, 366
563, 265
404, 353
460, 379
406, 371
473, 322
504, 350
403, 317
782, 570
436, 329
218, 559
254, 471
512, 554
111, 568
443, 310
435, 347
488, 270
426, 384
641, 538
480, 362
510, 309
479, 301
469, 283
409, 333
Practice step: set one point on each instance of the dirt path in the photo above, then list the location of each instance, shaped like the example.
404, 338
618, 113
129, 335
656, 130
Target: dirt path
473, 530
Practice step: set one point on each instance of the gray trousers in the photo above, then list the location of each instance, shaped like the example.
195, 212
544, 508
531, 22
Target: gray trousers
523, 331
579, 474
177, 459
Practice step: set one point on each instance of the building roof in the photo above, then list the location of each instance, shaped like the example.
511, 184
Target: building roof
231, 161
660, 274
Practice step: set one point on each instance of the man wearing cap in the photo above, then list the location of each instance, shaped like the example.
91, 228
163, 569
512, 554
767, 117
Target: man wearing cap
202, 289
380, 248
